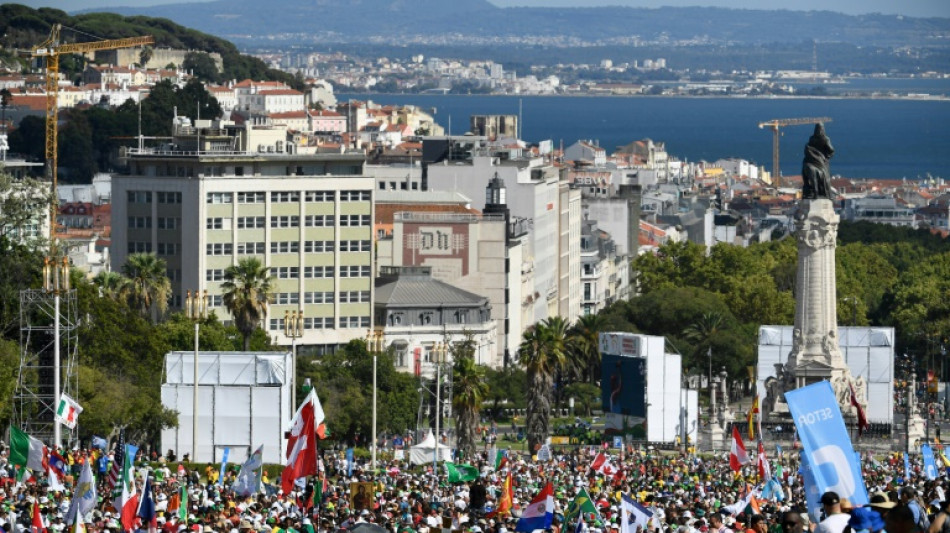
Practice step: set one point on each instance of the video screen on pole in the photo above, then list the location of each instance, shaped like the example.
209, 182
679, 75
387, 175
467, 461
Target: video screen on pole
623, 385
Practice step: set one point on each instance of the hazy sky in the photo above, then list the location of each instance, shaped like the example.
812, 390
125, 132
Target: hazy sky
918, 8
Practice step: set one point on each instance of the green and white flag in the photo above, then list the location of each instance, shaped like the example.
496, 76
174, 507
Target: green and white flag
183, 505
460, 473
26, 450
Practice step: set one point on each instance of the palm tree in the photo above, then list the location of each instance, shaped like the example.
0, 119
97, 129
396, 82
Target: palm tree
469, 389
542, 352
584, 343
703, 332
109, 283
245, 292
146, 284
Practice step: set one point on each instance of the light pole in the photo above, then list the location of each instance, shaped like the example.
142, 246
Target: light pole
374, 340
439, 351
196, 307
293, 329
56, 280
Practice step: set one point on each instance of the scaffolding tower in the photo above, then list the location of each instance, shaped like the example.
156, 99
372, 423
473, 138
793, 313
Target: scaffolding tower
34, 403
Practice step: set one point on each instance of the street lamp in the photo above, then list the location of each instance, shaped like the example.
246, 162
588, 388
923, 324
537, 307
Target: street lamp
196, 308
440, 350
374, 341
293, 329
56, 281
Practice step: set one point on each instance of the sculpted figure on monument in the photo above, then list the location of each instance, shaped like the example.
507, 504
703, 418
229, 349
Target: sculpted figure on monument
816, 168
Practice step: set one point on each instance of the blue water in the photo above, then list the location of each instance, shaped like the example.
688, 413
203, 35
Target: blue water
873, 138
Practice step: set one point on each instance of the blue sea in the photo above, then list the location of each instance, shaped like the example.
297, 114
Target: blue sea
873, 138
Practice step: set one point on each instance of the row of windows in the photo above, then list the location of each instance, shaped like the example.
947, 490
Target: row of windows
250, 248
168, 197
277, 324
162, 222
290, 247
140, 247
168, 248
284, 247
258, 197
352, 271
284, 221
140, 222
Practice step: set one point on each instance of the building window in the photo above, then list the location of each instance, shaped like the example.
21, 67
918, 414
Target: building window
317, 322
354, 321
354, 271
292, 221
354, 296
277, 324
140, 222
168, 248
140, 197
318, 221
216, 300
287, 298
286, 272
285, 196
169, 222
318, 272
314, 247
318, 297
220, 248
354, 196
251, 197
354, 220
250, 222
214, 274
220, 198
173, 274
139, 247
214, 223
168, 197
284, 247
319, 196
249, 248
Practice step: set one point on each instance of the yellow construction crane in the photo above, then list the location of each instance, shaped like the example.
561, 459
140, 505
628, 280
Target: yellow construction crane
774, 125
51, 49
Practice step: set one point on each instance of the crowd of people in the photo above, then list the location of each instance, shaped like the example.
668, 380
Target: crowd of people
684, 493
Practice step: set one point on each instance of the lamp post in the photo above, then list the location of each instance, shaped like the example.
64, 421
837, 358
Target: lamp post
56, 281
374, 340
196, 307
439, 352
293, 329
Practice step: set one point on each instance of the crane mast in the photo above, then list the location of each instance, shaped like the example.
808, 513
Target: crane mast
775, 125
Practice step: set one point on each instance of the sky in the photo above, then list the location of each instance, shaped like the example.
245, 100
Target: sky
914, 8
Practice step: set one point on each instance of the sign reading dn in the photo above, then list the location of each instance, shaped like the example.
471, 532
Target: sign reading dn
825, 442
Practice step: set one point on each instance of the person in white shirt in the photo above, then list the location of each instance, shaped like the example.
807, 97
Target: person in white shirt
835, 519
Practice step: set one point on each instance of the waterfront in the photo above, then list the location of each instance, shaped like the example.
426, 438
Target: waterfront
874, 138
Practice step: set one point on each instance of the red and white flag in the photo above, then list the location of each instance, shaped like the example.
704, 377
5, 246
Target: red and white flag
765, 471
862, 418
737, 455
302, 442
38, 522
603, 465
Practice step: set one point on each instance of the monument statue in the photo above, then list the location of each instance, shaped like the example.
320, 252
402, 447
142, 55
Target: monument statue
815, 353
816, 168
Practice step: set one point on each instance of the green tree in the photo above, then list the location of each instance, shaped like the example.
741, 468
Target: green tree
75, 149
586, 397
146, 286
245, 292
468, 392
202, 66
505, 389
29, 139
542, 353
109, 283
584, 343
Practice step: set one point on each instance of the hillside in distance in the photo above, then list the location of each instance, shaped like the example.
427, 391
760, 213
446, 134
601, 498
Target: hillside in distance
399, 22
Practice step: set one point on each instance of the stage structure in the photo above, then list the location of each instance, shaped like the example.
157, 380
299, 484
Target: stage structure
34, 398
642, 391
243, 402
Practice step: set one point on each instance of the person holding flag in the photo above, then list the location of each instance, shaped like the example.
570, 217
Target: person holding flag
539, 513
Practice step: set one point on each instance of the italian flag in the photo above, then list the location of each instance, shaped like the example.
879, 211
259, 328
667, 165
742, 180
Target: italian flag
26, 451
67, 412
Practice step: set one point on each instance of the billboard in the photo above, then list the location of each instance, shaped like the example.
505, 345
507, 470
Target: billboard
623, 385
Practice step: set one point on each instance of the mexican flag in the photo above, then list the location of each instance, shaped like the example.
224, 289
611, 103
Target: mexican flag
460, 473
128, 501
67, 411
26, 451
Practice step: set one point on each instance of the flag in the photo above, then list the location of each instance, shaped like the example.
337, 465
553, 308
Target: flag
539, 513
501, 459
57, 464
582, 505
752, 416
826, 443
67, 411
85, 498
772, 490
459, 473
580, 524
737, 454
633, 515
603, 465
249, 478
930, 465
747, 500
99, 443
908, 473
862, 418
79, 526
302, 443
765, 471
128, 501
26, 451
183, 506
38, 523
224, 465
117, 461
505, 499
146, 509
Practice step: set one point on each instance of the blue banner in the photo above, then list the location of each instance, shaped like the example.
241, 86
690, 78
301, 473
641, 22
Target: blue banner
907, 472
224, 464
812, 492
825, 443
349, 462
930, 465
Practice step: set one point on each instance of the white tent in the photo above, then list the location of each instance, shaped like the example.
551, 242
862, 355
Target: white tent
423, 452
